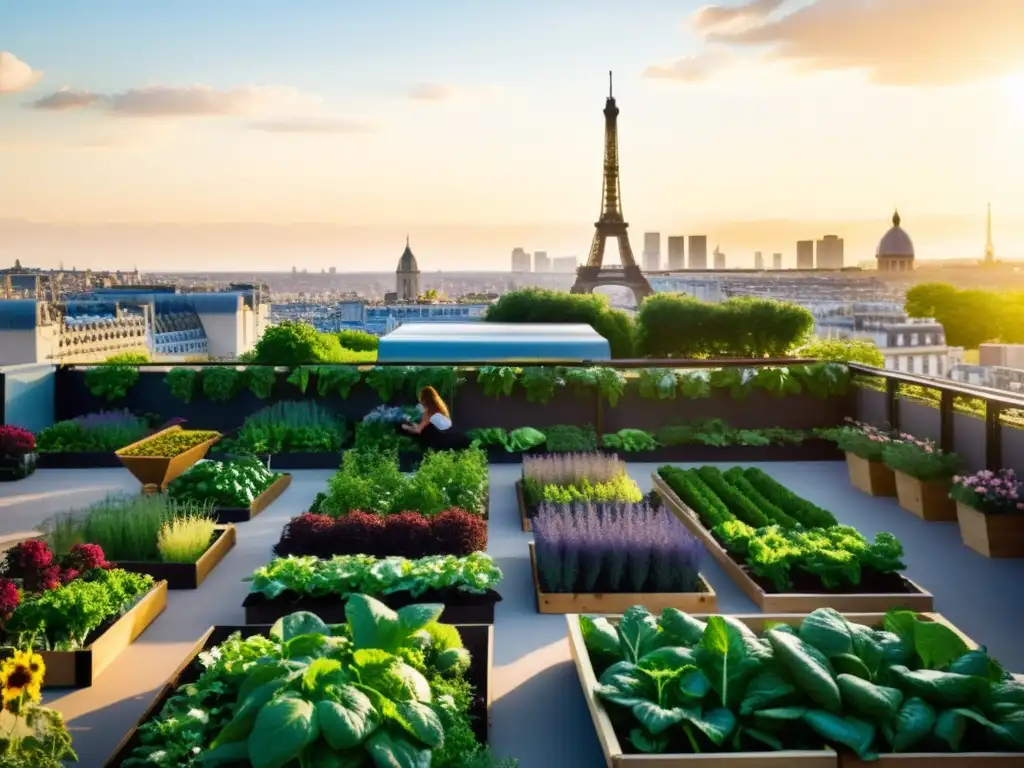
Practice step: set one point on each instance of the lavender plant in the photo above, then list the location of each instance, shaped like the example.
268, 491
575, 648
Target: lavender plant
577, 477
614, 548
93, 432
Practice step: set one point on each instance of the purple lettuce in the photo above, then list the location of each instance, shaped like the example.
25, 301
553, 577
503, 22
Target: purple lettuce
614, 548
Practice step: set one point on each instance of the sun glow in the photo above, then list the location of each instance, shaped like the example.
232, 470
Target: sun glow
1013, 87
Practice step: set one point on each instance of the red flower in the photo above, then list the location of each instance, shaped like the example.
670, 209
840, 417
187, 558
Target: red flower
69, 575
16, 442
32, 562
9, 597
49, 578
86, 557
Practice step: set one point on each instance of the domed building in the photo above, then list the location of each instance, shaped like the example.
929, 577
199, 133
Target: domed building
407, 276
895, 250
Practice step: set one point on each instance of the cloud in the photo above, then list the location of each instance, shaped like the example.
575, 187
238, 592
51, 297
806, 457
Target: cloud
432, 92
691, 69
172, 101
898, 42
715, 16
321, 125
66, 98
15, 74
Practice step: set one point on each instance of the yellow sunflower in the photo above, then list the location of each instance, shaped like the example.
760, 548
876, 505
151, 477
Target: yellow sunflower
22, 673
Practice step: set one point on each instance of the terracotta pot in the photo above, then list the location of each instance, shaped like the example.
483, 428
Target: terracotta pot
928, 499
871, 477
991, 535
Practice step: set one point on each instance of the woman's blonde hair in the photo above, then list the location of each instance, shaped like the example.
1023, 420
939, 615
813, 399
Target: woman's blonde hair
432, 402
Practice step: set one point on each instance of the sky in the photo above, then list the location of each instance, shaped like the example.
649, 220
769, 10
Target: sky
196, 134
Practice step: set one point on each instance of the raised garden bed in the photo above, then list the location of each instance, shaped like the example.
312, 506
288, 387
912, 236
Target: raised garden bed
79, 669
83, 460
812, 449
928, 499
155, 472
225, 515
895, 592
870, 477
705, 601
525, 512
616, 756
188, 575
477, 639
992, 535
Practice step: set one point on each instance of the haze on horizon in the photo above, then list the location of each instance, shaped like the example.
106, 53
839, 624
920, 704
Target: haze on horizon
324, 133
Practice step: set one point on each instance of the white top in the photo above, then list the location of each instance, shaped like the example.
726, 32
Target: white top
441, 421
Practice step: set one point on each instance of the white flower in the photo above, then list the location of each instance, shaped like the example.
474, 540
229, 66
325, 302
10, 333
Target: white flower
200, 715
156, 757
446, 701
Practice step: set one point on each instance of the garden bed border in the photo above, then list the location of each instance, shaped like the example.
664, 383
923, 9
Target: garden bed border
226, 515
188, 575
78, 460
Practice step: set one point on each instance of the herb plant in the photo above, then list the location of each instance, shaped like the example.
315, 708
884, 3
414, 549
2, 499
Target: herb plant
111, 382
221, 383
629, 441
102, 432
345, 575
170, 444
569, 478
233, 484
658, 383
182, 383
568, 438
378, 431
407, 534
336, 379
678, 684
614, 548
921, 459
497, 380
301, 426
540, 383
991, 493
609, 383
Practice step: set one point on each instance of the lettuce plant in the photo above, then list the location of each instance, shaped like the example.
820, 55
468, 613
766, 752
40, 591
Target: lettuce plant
629, 441
678, 684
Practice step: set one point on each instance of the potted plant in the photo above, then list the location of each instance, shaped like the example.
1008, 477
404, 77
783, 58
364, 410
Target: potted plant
924, 474
158, 459
990, 509
863, 444
17, 453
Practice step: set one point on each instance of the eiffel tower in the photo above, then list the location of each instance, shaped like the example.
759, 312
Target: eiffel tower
611, 223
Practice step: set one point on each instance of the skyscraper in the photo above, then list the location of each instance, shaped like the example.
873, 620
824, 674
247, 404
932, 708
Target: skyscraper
698, 251
541, 262
719, 258
758, 260
805, 254
776, 261
564, 264
830, 252
677, 252
652, 251
520, 260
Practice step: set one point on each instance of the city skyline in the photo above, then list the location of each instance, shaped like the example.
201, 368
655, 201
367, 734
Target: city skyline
439, 133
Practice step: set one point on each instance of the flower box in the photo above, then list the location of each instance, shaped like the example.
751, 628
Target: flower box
871, 477
912, 597
459, 607
478, 640
17, 467
79, 460
997, 535
225, 515
188, 575
79, 669
155, 472
705, 601
524, 510
928, 499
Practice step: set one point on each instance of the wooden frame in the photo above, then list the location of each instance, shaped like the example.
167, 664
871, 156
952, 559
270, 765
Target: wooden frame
155, 472
225, 515
79, 669
919, 600
928, 499
871, 477
521, 500
189, 575
478, 640
995, 536
619, 602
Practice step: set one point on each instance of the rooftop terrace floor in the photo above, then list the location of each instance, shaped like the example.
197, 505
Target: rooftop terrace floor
538, 713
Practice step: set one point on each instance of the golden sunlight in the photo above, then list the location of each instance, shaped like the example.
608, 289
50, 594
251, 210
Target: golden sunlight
1013, 87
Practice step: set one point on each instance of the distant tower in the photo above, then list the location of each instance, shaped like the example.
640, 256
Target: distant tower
990, 249
895, 250
407, 276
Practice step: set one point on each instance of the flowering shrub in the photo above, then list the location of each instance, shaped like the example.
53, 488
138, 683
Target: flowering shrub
33, 564
16, 442
863, 440
992, 493
9, 598
920, 458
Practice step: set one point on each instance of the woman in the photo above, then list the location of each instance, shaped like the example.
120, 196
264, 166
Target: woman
435, 428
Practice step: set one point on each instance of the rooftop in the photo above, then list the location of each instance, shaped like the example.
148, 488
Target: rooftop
484, 342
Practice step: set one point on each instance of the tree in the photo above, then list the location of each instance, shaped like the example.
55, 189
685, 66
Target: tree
534, 305
969, 317
359, 341
926, 299
843, 351
290, 343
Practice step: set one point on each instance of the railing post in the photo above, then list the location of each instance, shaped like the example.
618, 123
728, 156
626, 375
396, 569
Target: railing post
892, 403
946, 434
993, 436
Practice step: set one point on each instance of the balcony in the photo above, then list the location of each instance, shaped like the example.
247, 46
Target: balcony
538, 712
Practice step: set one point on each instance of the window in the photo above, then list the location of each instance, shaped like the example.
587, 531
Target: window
927, 339
913, 339
926, 364
899, 340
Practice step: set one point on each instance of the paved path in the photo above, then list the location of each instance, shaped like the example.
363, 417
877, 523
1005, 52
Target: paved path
538, 712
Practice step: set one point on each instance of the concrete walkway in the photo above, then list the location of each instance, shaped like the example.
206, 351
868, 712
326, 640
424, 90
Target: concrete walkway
538, 714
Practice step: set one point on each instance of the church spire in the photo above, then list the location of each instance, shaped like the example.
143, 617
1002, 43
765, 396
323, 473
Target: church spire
990, 248
896, 218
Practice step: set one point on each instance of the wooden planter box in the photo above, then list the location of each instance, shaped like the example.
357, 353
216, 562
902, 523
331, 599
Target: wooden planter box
79, 460
478, 609
155, 472
521, 501
478, 640
615, 758
991, 535
224, 515
928, 499
17, 467
188, 575
871, 477
619, 602
79, 669
915, 598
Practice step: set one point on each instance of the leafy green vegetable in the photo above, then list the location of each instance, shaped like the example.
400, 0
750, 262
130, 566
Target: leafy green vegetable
497, 380
234, 484
629, 441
